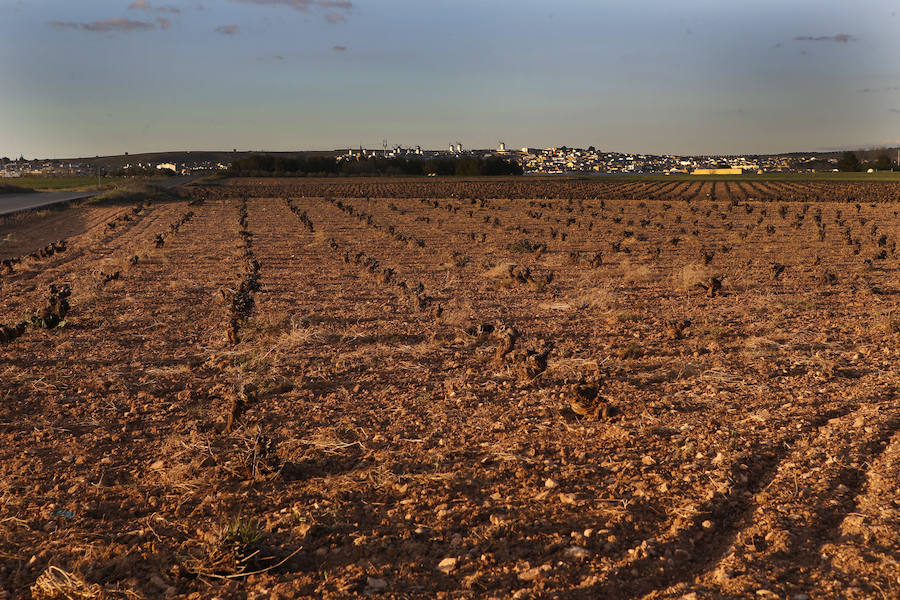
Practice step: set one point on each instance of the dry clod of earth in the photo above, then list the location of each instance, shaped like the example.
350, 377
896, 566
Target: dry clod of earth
240, 400
506, 336
675, 328
535, 361
585, 400
9, 333
482, 330
712, 285
777, 270
828, 278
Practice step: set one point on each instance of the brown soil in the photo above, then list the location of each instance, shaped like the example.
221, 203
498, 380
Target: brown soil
360, 388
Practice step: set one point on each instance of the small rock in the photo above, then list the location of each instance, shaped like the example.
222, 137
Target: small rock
648, 460
576, 552
447, 565
588, 532
376, 584
708, 525
568, 498
550, 484
534, 573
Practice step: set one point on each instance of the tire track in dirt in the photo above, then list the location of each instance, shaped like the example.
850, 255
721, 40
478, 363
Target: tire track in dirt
83, 255
699, 536
771, 538
82, 241
865, 547
97, 309
36, 231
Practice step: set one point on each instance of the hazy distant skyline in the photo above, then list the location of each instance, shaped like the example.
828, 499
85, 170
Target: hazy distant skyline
695, 77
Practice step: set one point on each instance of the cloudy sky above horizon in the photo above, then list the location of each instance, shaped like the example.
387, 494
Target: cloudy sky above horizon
113, 76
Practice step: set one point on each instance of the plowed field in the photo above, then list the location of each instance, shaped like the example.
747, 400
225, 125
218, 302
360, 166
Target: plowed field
454, 389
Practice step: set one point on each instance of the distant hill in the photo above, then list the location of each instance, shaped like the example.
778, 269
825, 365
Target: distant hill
117, 162
821, 158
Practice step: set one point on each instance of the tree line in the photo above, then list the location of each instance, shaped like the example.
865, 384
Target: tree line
849, 162
468, 166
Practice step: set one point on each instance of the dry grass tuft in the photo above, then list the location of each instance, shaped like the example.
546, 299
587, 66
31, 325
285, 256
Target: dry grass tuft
691, 276
601, 297
501, 271
637, 273
458, 314
890, 323
57, 584
135, 192
761, 346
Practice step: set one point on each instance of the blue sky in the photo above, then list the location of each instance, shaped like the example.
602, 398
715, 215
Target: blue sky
110, 76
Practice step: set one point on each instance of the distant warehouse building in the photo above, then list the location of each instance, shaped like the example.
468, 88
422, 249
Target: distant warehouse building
732, 171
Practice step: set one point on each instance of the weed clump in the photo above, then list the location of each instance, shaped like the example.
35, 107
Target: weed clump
53, 314
526, 246
231, 552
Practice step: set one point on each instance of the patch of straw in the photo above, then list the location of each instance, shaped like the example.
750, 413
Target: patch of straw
57, 584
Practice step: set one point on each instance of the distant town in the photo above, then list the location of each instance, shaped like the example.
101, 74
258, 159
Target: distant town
560, 160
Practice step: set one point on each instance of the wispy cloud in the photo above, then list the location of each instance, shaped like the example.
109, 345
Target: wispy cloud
841, 38
894, 110
106, 26
228, 29
339, 48
875, 90
63, 25
334, 8
164, 23
144, 5
305, 5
